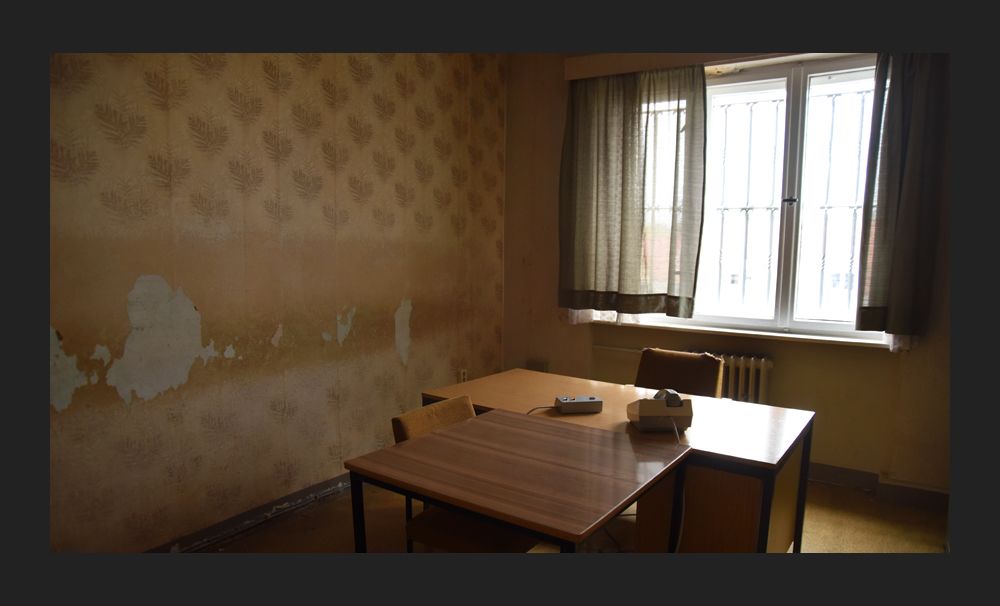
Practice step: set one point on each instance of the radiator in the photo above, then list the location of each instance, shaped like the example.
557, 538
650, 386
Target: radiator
745, 377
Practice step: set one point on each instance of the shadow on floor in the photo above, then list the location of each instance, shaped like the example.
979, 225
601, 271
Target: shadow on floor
838, 520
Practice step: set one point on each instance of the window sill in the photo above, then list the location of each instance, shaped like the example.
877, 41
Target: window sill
757, 334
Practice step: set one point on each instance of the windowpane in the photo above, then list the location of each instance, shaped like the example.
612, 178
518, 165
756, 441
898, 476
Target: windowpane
737, 271
838, 122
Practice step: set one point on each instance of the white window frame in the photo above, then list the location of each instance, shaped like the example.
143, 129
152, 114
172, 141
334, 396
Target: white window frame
796, 71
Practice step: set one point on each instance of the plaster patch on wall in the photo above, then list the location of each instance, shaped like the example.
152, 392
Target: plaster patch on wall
102, 353
64, 376
163, 344
230, 352
343, 328
327, 336
208, 352
277, 336
403, 330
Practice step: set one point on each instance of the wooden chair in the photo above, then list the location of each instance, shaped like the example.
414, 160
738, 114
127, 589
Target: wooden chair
698, 374
444, 529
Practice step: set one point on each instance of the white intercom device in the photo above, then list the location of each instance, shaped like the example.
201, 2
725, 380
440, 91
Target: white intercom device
665, 411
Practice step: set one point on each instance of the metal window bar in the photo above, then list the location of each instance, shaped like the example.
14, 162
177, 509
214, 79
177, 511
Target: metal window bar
858, 194
746, 209
774, 180
722, 198
826, 201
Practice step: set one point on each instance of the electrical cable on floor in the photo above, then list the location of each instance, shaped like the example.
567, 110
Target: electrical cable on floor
537, 408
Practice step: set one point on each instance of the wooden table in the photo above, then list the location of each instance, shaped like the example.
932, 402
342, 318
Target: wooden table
745, 482
558, 481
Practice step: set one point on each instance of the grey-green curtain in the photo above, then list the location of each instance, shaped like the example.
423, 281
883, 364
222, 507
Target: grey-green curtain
632, 192
907, 164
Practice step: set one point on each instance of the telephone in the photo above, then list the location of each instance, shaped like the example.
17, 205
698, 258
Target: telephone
665, 411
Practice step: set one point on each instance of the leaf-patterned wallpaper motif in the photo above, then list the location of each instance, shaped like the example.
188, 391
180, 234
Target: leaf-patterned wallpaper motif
297, 200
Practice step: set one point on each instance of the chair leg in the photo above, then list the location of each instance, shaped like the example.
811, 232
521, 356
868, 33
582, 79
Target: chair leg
409, 516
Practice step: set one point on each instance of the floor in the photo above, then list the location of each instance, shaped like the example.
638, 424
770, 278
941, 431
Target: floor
838, 520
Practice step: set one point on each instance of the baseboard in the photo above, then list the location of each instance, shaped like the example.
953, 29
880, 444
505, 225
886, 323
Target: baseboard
869, 482
925, 499
204, 539
842, 476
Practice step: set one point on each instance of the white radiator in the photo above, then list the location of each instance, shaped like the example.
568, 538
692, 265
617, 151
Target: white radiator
745, 377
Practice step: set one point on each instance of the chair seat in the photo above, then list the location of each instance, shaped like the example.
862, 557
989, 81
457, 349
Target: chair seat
452, 531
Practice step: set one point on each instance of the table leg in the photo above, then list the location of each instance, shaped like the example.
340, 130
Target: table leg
677, 512
800, 509
767, 499
358, 512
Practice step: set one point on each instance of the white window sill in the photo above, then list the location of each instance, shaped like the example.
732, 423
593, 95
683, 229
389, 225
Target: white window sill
758, 334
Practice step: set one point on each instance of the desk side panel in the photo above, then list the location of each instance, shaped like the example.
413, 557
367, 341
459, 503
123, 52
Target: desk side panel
786, 491
721, 511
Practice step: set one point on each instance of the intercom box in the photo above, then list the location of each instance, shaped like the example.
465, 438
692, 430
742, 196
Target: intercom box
578, 404
650, 414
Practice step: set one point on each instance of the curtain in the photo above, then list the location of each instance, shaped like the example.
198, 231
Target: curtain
631, 192
907, 164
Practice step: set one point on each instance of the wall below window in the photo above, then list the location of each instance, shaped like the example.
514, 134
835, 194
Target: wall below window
876, 411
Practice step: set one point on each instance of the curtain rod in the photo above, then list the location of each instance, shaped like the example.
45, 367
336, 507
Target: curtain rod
608, 64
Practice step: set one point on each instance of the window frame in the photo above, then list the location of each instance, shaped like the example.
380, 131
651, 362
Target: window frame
796, 71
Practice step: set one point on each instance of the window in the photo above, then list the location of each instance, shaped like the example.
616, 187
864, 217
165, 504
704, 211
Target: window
786, 159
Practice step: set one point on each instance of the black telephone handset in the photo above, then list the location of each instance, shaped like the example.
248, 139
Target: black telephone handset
672, 397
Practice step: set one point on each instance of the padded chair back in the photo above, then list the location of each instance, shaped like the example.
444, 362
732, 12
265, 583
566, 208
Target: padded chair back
688, 373
433, 416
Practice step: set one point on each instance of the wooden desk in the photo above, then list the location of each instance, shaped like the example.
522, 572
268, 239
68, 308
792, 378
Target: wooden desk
558, 481
745, 482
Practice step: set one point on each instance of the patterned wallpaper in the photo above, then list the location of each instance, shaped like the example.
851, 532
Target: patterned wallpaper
255, 261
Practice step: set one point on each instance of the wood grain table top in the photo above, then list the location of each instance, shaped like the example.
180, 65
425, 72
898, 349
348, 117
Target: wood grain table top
743, 432
561, 479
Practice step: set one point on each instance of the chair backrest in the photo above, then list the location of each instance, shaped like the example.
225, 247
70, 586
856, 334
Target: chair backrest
432, 416
688, 373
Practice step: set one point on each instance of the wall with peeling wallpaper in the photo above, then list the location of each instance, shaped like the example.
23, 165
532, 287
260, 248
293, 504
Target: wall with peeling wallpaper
255, 261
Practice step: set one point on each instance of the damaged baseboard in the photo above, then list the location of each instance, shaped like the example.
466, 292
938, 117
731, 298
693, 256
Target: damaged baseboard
205, 539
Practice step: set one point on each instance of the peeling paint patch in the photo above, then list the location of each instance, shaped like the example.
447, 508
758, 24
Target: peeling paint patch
208, 352
403, 330
230, 352
163, 344
64, 376
343, 328
277, 336
102, 353
327, 336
